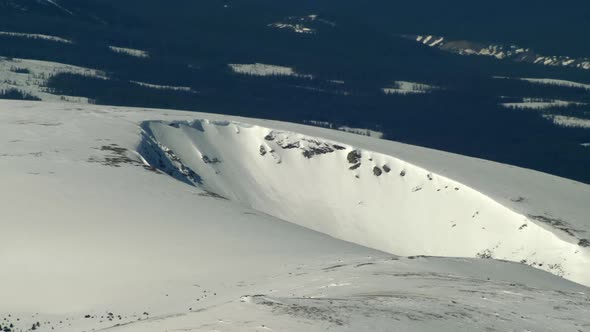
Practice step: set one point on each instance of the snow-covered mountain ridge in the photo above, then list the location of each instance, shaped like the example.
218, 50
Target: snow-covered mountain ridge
361, 196
97, 236
501, 52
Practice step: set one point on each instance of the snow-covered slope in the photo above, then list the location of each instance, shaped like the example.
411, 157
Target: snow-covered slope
36, 36
308, 24
359, 195
549, 81
31, 77
164, 87
568, 121
130, 51
96, 238
500, 52
261, 69
408, 88
540, 103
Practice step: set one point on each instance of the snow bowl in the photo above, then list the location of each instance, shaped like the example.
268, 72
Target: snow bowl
364, 197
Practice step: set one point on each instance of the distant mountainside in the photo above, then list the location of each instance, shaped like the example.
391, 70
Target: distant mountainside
340, 64
501, 52
34, 6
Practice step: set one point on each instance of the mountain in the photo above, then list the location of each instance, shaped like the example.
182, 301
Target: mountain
46, 7
279, 208
382, 200
344, 65
513, 52
134, 219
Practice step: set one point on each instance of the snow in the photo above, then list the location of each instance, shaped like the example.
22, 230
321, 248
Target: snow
568, 62
54, 3
36, 36
500, 52
298, 28
358, 199
164, 87
35, 74
324, 124
260, 69
568, 121
362, 131
437, 42
90, 230
405, 88
336, 81
549, 81
300, 24
130, 51
358, 131
539, 104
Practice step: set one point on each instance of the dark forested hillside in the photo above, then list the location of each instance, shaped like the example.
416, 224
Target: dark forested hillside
356, 49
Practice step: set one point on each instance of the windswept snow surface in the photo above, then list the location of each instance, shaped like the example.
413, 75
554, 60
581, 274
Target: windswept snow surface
94, 238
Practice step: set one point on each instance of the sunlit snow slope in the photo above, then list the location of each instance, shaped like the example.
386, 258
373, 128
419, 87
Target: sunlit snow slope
97, 237
358, 195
